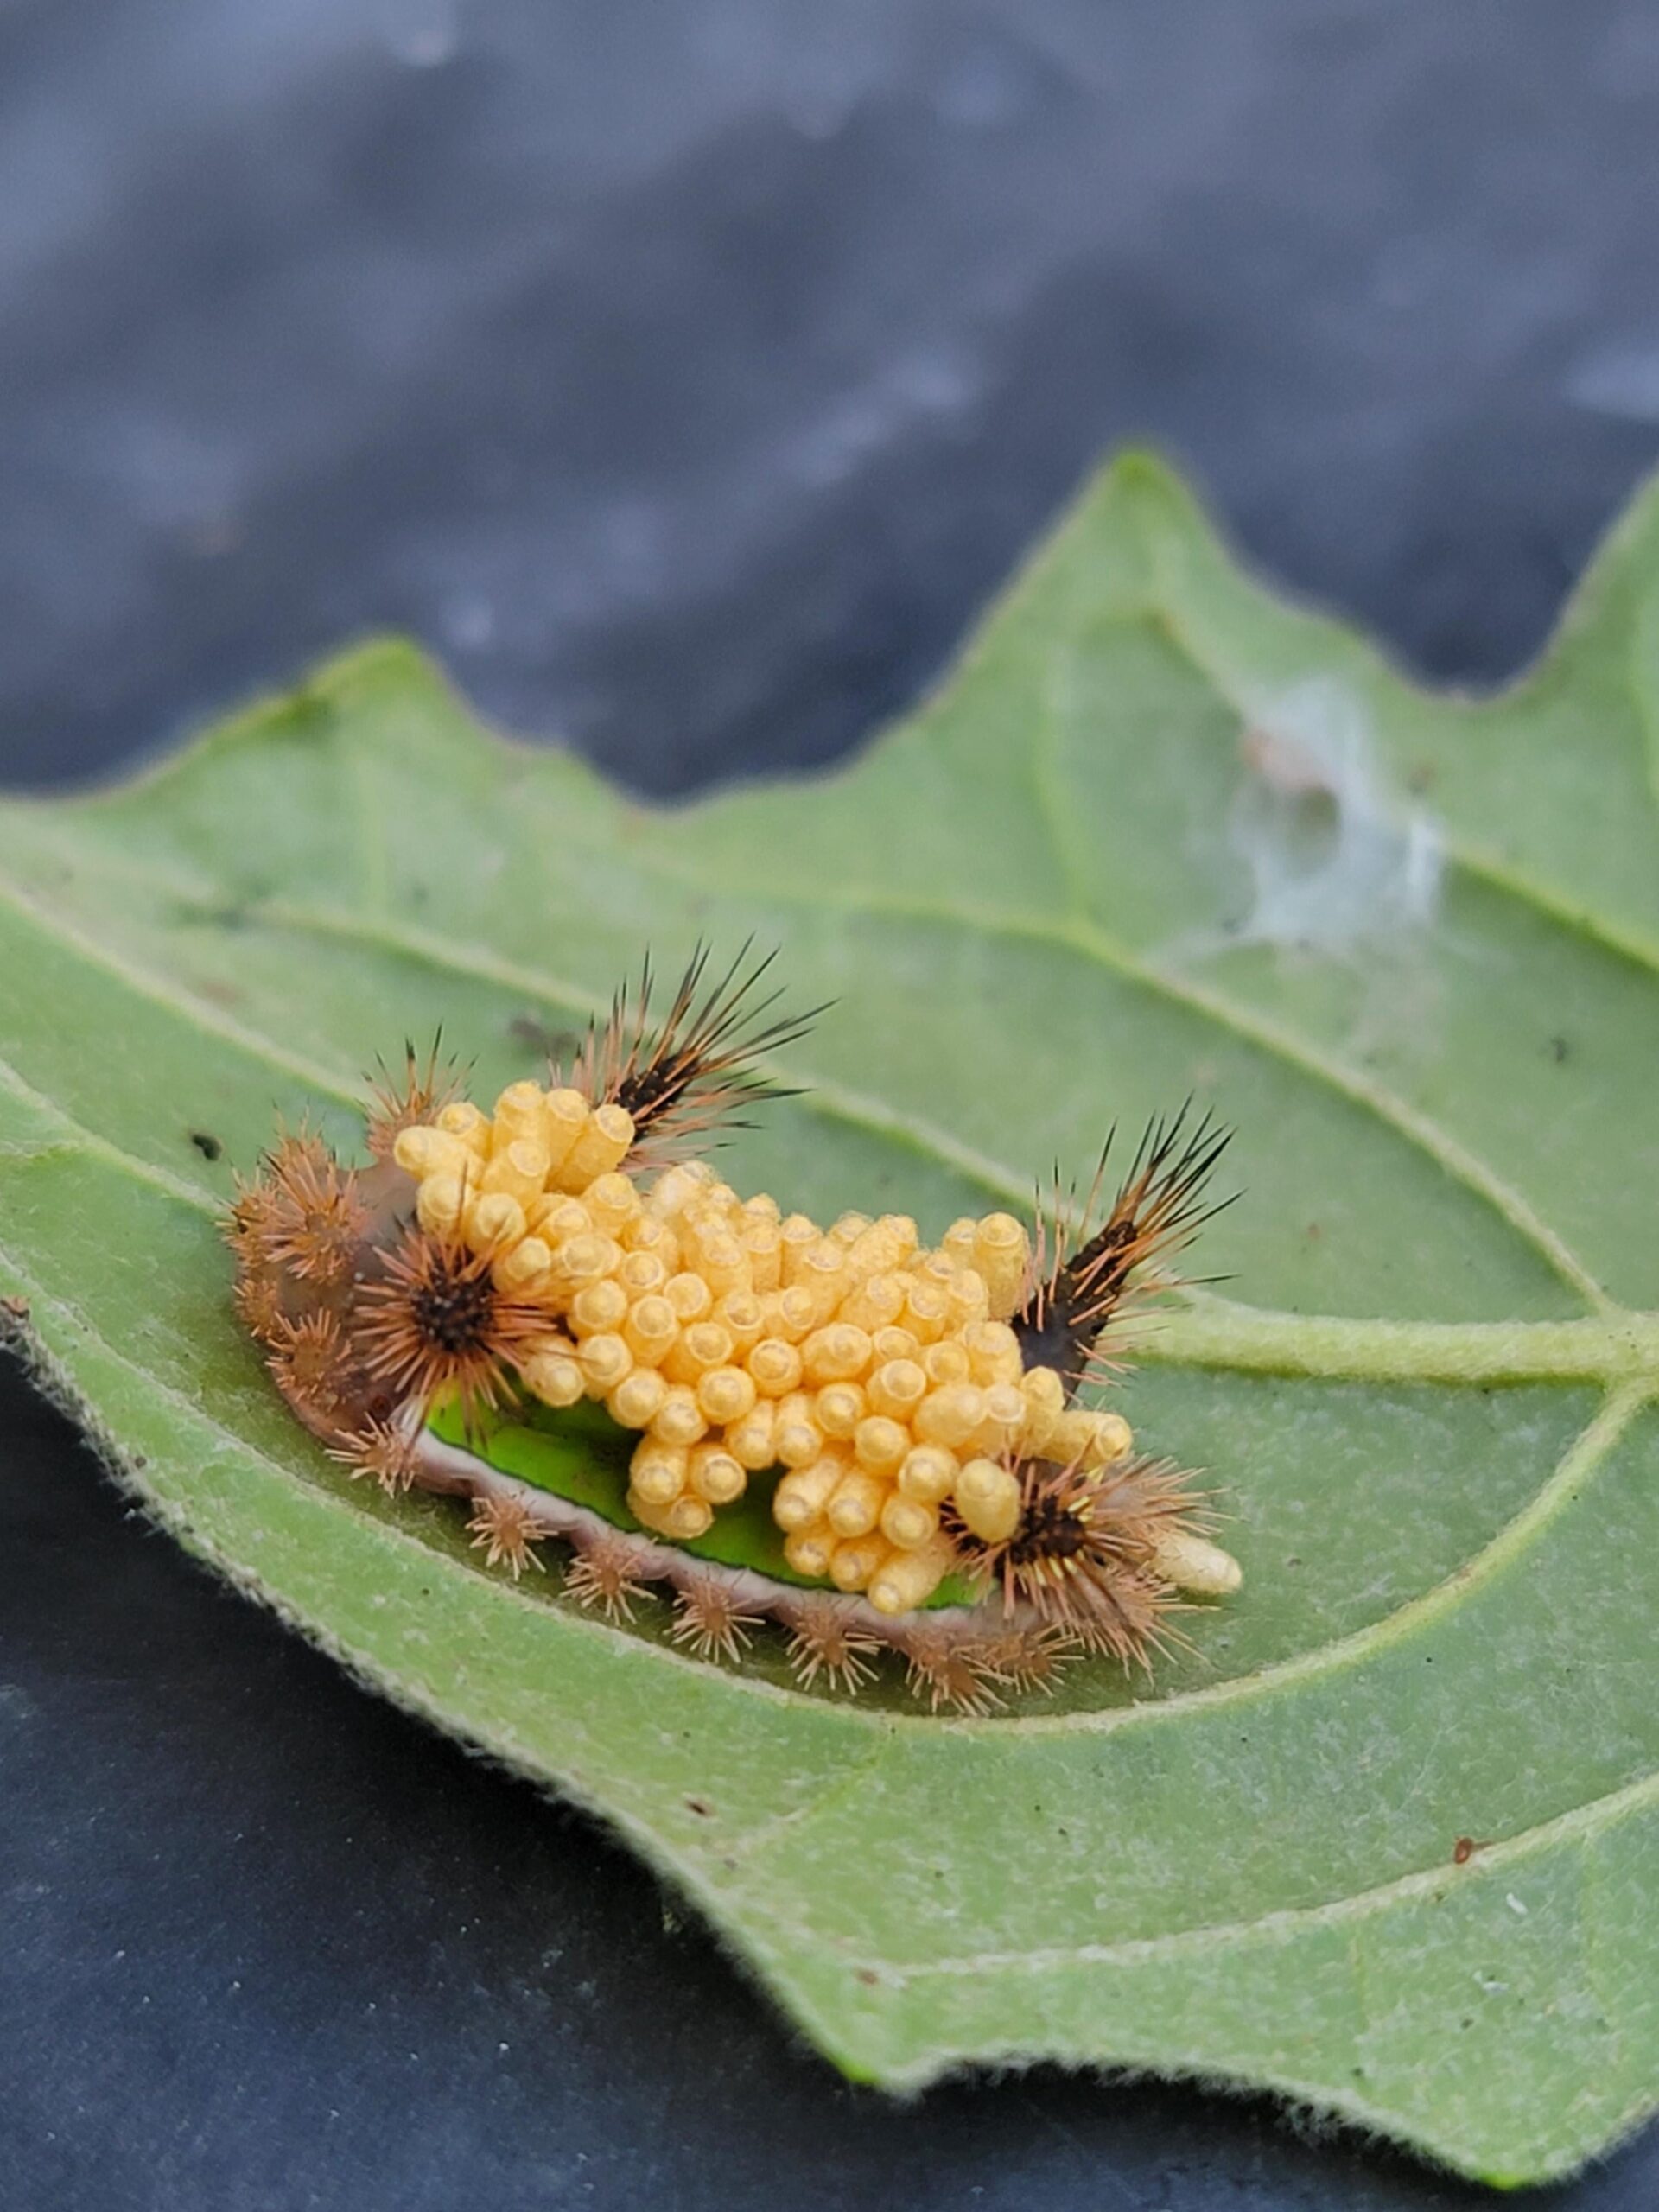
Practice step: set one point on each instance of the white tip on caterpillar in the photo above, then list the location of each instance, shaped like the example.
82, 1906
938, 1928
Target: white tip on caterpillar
1194, 1564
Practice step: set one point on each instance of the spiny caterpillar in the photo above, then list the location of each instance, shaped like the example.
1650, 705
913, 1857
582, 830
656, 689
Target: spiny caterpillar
874, 1443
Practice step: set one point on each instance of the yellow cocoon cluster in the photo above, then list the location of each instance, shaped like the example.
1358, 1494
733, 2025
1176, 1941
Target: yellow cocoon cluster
882, 1376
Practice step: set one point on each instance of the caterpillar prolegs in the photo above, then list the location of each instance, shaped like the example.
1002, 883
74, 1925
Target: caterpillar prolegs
553, 1311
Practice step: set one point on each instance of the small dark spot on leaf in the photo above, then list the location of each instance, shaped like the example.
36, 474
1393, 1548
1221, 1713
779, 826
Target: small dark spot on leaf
1463, 1850
700, 1807
1420, 777
1559, 1049
1293, 1560
207, 1144
866, 1975
1313, 1232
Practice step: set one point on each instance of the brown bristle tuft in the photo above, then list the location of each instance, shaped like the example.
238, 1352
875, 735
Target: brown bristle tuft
385, 1451
249, 1217
1134, 1625
604, 1578
507, 1531
315, 1224
258, 1300
1081, 1277
1032, 1658
1084, 1554
307, 1358
691, 1072
299, 1152
711, 1621
435, 1325
418, 1095
823, 1641
948, 1670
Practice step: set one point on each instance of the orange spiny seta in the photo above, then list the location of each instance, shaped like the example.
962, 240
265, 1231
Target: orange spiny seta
314, 1222
310, 1363
419, 1094
384, 1450
711, 1622
1078, 1290
691, 1072
251, 1215
605, 1577
1032, 1659
436, 1325
505, 1530
823, 1640
939, 1667
258, 1300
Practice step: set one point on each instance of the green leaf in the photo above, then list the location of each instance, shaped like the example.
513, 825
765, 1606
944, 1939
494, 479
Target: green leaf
1158, 835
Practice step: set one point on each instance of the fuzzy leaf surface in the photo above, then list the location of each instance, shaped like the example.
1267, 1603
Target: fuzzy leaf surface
1158, 835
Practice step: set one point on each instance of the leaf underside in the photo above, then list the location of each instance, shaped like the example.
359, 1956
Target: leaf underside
1158, 835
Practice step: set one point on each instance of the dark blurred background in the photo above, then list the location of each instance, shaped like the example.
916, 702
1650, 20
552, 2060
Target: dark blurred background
685, 375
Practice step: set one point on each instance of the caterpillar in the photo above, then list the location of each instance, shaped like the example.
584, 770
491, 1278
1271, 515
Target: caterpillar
558, 1311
